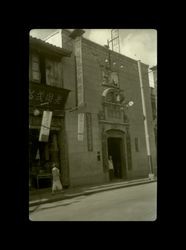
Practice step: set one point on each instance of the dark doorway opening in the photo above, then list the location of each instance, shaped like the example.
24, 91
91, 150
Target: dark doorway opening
41, 157
114, 150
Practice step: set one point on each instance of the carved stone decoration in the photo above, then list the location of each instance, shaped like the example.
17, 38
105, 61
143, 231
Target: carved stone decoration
113, 101
113, 95
110, 77
125, 118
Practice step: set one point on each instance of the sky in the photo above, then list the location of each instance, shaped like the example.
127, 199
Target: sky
138, 44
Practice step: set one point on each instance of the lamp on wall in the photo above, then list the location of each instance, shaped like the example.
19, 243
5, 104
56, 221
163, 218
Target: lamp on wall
130, 104
127, 105
36, 111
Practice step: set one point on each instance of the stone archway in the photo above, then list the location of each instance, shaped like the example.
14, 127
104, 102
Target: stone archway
113, 144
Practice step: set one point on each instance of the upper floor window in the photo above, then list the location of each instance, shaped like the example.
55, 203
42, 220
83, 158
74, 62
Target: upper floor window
53, 73
45, 70
35, 68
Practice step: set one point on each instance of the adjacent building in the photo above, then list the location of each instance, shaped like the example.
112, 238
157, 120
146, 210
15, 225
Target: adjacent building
89, 89
154, 100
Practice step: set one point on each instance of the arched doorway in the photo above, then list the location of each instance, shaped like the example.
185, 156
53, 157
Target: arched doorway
114, 150
115, 147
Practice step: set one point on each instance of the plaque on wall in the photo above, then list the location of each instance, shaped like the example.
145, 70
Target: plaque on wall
89, 131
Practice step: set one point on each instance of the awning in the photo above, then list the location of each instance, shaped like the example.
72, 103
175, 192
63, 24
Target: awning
45, 47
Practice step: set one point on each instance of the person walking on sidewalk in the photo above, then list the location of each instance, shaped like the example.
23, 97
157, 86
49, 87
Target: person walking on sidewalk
111, 167
56, 183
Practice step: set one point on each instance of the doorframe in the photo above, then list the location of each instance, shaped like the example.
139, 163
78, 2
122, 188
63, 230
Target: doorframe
115, 133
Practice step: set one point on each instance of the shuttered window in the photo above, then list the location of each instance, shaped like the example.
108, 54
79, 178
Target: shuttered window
35, 68
53, 73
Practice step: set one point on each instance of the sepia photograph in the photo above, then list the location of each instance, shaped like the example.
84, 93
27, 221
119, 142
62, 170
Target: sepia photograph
92, 125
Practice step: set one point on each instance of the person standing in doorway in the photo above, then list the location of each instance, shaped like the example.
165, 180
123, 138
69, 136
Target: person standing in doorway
111, 167
56, 183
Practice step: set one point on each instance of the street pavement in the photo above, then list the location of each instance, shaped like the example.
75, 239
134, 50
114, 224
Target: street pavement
42, 196
132, 203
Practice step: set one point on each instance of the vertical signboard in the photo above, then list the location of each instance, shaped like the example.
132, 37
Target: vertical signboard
80, 126
45, 126
89, 131
79, 70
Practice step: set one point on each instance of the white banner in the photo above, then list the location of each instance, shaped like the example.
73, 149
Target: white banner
80, 137
79, 70
45, 126
81, 119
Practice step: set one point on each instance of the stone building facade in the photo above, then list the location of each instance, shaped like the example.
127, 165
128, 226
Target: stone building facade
96, 119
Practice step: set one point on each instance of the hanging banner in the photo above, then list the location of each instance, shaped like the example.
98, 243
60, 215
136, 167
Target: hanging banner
80, 126
45, 126
79, 70
52, 97
89, 131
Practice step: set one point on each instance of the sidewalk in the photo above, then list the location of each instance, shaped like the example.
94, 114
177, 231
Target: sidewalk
39, 197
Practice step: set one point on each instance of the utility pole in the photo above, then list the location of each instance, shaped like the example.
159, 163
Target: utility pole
151, 175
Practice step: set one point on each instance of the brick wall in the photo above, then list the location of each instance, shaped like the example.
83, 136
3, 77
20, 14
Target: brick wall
94, 56
84, 166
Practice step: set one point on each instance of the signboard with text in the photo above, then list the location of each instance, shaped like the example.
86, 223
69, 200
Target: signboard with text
51, 97
45, 126
89, 131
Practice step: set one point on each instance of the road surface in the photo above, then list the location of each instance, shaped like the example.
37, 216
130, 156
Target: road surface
135, 203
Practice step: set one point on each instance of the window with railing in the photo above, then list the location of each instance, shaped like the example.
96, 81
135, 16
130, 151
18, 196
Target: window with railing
113, 106
45, 70
35, 68
113, 111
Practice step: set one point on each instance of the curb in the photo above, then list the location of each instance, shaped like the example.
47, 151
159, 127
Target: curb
88, 192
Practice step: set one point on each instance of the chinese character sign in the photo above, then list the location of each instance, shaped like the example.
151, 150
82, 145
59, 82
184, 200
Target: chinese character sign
54, 97
45, 126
